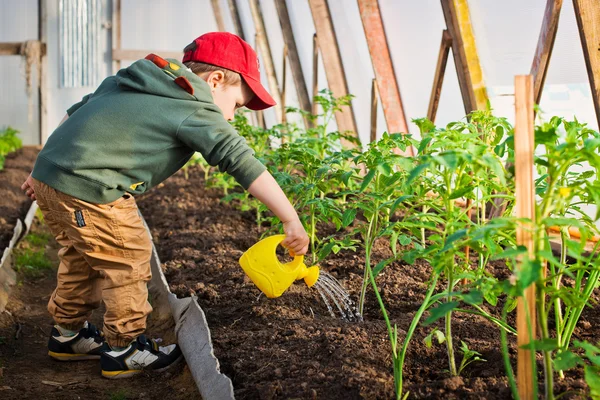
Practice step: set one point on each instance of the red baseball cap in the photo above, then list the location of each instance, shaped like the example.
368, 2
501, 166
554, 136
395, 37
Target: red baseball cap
229, 51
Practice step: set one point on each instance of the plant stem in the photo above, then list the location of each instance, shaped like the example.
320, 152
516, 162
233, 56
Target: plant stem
413, 326
506, 356
448, 322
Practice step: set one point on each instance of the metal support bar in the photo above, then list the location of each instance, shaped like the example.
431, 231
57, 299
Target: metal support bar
588, 20
440, 71
293, 58
464, 51
262, 42
385, 76
543, 51
332, 60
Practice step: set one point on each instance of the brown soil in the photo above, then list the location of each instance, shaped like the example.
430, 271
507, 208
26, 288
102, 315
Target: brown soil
290, 347
13, 203
27, 372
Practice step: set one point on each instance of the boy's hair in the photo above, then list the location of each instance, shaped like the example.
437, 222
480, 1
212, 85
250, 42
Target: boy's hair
200, 68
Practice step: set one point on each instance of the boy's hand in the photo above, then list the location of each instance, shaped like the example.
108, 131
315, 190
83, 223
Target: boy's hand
27, 187
296, 240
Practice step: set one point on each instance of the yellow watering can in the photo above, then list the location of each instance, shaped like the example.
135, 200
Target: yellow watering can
262, 266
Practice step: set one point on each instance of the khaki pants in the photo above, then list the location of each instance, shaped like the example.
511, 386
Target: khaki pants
105, 256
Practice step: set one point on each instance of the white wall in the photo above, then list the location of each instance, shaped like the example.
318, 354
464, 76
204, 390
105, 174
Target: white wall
18, 22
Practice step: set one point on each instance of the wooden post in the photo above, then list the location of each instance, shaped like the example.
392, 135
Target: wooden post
42, 81
117, 33
262, 43
235, 16
332, 60
588, 20
385, 76
464, 51
438, 79
218, 13
284, 84
294, 58
543, 51
525, 208
315, 71
374, 104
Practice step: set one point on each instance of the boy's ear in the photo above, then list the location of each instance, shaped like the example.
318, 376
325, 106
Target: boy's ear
215, 79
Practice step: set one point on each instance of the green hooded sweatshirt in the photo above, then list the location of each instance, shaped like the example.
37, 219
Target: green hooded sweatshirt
137, 129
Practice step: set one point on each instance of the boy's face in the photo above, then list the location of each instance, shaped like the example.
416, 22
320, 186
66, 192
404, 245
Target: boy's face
228, 97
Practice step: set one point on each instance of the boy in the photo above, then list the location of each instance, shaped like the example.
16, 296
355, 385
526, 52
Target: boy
137, 129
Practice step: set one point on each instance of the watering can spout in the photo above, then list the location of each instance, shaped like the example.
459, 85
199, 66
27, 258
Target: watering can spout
272, 277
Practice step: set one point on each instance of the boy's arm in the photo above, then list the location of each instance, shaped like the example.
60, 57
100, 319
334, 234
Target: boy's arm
266, 189
27, 186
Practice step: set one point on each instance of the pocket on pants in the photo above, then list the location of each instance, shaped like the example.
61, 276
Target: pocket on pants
78, 225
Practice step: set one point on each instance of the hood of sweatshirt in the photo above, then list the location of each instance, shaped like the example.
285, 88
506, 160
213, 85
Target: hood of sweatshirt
167, 78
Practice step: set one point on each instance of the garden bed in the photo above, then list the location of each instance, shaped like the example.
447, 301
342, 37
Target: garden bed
290, 347
13, 203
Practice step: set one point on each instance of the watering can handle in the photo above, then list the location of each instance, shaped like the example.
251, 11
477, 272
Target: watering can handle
298, 260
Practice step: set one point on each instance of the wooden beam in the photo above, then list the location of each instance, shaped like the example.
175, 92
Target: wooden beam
132, 55
235, 16
332, 60
262, 42
10, 48
525, 208
42, 79
218, 13
293, 57
117, 20
284, 84
374, 104
588, 20
543, 51
464, 51
385, 76
315, 74
440, 71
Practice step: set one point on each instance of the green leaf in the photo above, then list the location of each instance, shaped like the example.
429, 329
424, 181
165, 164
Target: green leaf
385, 169
510, 253
394, 243
491, 297
439, 335
566, 360
348, 217
529, 273
405, 240
367, 180
381, 265
548, 344
326, 250
473, 297
592, 378
441, 311
398, 201
461, 192
461, 233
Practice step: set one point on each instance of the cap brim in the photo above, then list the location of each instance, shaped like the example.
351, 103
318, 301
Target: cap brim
262, 99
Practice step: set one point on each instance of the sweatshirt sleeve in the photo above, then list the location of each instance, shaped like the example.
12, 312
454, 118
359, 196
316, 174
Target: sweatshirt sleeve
78, 105
207, 132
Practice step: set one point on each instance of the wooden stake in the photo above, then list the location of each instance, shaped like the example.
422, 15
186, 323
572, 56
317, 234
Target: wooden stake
117, 33
284, 84
588, 20
541, 60
440, 71
42, 79
332, 60
374, 103
218, 13
525, 208
385, 76
262, 42
235, 16
315, 71
294, 58
464, 50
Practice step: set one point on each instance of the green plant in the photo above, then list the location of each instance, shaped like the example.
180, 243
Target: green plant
32, 264
9, 142
469, 356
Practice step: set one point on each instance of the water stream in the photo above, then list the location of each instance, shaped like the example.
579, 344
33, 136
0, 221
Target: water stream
332, 291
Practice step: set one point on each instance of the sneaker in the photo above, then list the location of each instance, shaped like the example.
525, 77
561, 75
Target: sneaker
141, 354
87, 344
